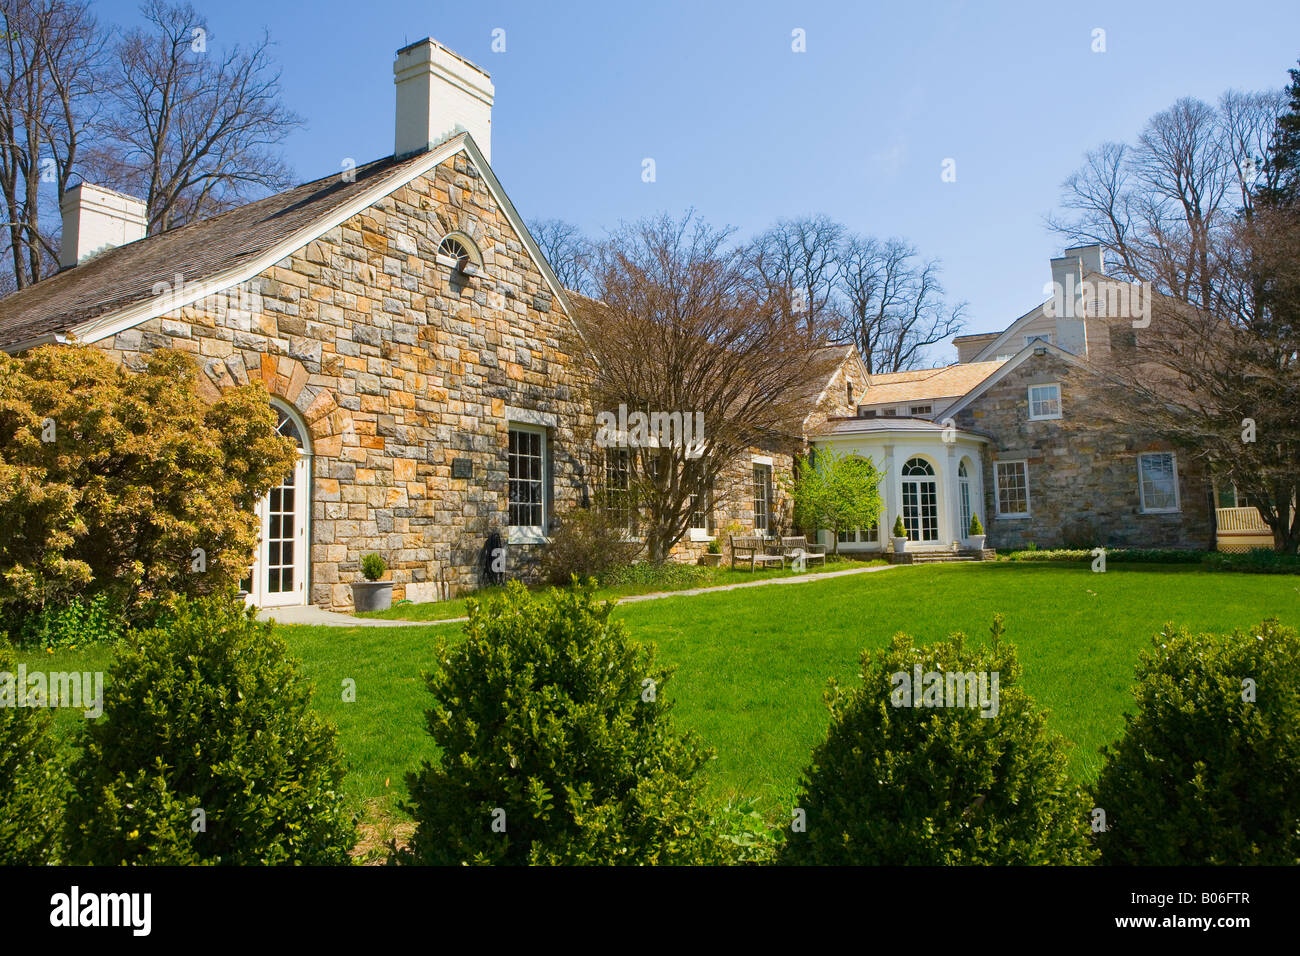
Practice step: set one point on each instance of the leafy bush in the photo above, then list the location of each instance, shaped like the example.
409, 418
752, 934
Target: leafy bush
895, 784
835, 491
587, 543
373, 567
110, 479
1254, 561
975, 527
1113, 556
556, 745
205, 712
79, 622
715, 547
1203, 774
669, 576
900, 529
32, 782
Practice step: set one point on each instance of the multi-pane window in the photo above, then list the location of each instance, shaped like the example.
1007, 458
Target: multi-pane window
700, 508
1012, 479
618, 487
963, 482
1158, 481
762, 497
527, 464
859, 536
921, 409
1044, 401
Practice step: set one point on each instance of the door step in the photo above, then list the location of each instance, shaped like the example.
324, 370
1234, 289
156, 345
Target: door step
940, 557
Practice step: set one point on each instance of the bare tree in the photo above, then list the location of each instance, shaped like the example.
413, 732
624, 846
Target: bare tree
51, 54
679, 327
198, 129
1217, 370
797, 261
1165, 204
567, 250
893, 304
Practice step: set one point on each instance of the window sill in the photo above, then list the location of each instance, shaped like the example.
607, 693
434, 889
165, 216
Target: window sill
1045, 418
527, 536
1022, 514
1160, 511
700, 534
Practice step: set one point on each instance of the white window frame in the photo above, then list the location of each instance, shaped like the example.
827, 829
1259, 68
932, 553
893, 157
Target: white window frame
1142, 494
997, 488
1060, 404
529, 534
705, 508
1039, 337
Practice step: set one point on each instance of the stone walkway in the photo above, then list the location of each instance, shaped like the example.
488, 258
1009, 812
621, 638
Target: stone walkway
316, 617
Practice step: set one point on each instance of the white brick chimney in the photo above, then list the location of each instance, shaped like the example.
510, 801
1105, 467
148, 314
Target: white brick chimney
95, 218
440, 94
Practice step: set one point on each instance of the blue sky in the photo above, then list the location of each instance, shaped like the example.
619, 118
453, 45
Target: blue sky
747, 131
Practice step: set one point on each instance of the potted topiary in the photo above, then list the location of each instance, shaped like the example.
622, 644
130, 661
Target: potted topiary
712, 556
372, 594
976, 534
900, 535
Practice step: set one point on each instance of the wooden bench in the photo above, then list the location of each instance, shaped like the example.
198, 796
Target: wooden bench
792, 546
755, 550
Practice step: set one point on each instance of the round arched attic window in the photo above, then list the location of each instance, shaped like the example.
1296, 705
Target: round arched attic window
457, 250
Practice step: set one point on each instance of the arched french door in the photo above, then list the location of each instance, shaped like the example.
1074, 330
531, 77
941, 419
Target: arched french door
279, 575
920, 502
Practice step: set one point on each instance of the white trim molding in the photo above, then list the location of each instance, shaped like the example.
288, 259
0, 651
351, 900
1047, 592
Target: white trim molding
1142, 495
1060, 403
997, 488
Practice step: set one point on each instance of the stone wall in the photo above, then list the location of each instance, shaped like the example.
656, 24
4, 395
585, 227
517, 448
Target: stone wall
1083, 472
398, 365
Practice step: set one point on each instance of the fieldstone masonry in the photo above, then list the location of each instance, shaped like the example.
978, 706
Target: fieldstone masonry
1083, 472
398, 364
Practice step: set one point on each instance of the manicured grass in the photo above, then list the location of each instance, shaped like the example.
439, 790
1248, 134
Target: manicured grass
752, 664
708, 577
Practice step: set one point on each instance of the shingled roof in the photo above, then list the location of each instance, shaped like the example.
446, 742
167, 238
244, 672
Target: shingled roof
948, 382
126, 276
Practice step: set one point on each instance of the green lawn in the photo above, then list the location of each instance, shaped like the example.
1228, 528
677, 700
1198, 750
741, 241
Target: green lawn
752, 664
708, 577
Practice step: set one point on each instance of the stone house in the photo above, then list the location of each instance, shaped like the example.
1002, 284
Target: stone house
427, 362
415, 342
1014, 432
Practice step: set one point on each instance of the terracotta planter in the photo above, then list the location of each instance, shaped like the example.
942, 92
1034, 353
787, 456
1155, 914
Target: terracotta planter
372, 595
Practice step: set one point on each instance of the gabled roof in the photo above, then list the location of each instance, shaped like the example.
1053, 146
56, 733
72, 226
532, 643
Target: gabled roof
948, 382
1004, 368
115, 290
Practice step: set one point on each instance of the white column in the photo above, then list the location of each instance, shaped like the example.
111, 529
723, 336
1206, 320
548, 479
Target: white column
891, 496
953, 495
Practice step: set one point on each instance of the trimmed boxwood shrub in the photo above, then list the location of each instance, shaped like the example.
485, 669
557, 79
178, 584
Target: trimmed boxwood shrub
556, 745
31, 782
1202, 775
1254, 561
205, 712
1113, 555
895, 784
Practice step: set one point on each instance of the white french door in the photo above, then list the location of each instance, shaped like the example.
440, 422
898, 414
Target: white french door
920, 502
279, 575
